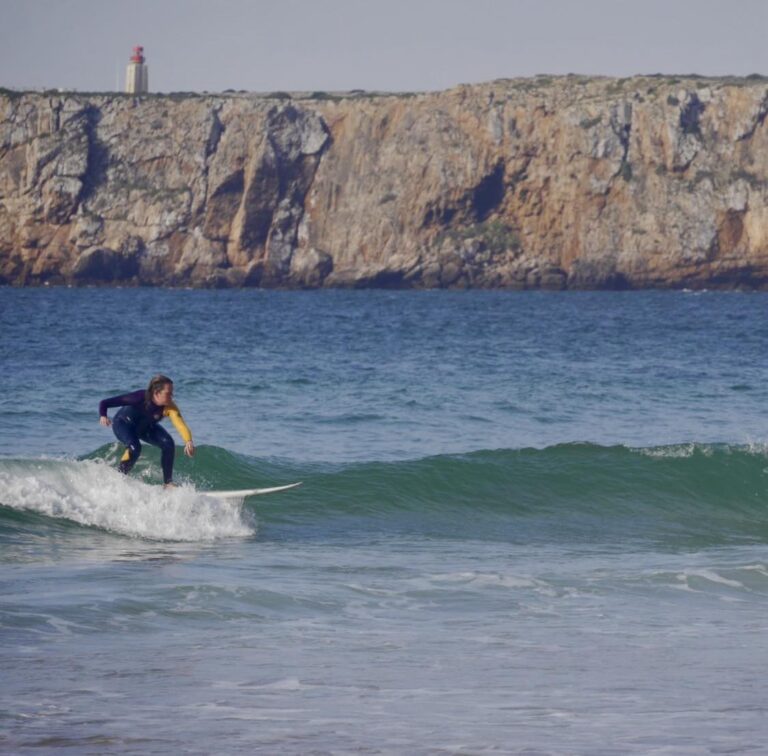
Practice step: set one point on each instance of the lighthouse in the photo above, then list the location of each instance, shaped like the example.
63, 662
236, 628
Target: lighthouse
136, 75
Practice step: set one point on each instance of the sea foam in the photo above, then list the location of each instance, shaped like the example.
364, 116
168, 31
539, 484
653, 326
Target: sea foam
93, 494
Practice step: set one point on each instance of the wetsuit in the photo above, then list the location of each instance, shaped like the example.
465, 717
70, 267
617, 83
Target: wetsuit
138, 421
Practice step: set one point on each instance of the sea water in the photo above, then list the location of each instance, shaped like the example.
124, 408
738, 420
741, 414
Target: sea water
530, 523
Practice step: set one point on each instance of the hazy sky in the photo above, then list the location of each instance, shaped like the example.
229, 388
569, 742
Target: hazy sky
396, 45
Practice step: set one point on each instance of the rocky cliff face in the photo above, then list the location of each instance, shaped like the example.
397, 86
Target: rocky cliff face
568, 182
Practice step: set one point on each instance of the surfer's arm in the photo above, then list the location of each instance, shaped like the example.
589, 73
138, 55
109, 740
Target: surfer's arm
121, 400
181, 427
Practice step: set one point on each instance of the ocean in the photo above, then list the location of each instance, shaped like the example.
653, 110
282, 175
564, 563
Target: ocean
530, 523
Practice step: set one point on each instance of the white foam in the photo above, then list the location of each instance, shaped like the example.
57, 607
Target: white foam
92, 493
493, 579
676, 451
687, 450
709, 576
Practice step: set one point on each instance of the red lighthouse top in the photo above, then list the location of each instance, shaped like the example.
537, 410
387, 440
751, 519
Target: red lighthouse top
138, 55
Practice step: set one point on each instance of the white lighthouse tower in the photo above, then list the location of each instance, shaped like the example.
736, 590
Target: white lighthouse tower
137, 75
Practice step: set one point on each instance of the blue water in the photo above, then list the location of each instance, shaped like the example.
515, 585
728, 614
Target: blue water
530, 523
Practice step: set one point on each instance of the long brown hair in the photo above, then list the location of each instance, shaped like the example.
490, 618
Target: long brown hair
156, 384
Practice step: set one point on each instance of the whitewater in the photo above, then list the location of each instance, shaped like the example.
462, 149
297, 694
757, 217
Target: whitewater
530, 523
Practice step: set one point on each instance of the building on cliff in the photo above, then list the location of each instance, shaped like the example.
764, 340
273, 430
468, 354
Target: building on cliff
137, 73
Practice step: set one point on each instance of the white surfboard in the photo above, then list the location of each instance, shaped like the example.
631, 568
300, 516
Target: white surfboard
242, 493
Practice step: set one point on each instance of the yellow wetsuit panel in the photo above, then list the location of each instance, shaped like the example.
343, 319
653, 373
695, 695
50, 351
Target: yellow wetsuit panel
173, 412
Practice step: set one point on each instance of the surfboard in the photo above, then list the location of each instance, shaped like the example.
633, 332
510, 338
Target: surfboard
242, 493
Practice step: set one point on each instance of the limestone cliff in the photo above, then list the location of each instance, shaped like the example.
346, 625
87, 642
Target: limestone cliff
548, 182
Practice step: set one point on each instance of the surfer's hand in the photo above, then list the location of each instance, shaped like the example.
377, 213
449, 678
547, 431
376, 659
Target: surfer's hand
105, 421
189, 449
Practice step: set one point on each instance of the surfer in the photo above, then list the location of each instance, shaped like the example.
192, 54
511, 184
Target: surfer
139, 420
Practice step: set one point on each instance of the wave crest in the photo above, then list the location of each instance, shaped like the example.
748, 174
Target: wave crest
689, 494
93, 494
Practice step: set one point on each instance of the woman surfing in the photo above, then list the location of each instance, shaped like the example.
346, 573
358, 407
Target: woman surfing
139, 420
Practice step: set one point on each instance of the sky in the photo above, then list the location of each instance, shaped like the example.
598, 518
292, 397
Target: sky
388, 45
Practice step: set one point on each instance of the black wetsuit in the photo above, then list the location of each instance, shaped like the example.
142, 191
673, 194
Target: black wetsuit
139, 421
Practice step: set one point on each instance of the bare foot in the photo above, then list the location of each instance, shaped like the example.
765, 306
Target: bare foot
170, 485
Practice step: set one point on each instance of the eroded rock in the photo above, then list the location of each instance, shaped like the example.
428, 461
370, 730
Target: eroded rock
567, 182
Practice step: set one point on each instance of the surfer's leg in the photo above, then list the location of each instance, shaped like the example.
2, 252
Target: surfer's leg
126, 433
158, 436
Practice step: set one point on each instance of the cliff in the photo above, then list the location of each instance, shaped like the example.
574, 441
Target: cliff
567, 182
